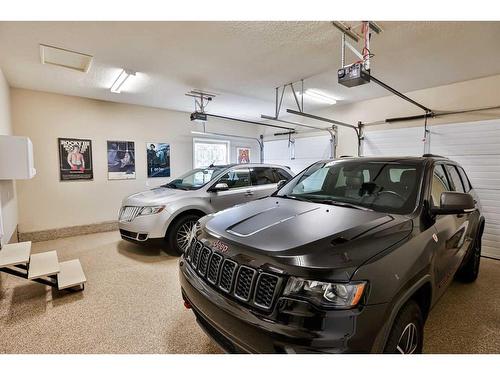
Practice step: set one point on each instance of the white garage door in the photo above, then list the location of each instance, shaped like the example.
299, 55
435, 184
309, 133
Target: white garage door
307, 150
475, 145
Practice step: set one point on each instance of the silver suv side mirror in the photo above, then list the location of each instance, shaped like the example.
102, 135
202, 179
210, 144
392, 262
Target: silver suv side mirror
220, 186
281, 183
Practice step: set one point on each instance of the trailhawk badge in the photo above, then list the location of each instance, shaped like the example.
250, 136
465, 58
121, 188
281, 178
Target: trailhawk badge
221, 246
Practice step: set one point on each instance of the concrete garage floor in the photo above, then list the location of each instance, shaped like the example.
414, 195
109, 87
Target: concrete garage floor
132, 304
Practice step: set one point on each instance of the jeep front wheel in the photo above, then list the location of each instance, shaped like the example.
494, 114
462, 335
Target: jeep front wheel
407, 333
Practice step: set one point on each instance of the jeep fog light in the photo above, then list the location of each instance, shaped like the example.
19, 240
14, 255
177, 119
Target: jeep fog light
338, 295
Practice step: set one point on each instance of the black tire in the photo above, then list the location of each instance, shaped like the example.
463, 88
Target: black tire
175, 231
470, 270
407, 332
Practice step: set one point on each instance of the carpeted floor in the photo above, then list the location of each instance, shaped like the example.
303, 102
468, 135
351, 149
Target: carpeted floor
132, 304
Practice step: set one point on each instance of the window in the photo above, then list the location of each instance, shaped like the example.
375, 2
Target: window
360, 183
282, 174
396, 173
440, 184
236, 178
465, 179
263, 176
208, 152
455, 178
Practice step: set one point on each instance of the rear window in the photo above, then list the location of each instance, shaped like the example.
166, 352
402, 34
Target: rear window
455, 178
465, 179
263, 176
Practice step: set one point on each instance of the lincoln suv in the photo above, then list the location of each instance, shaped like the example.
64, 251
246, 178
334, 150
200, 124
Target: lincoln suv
166, 214
347, 257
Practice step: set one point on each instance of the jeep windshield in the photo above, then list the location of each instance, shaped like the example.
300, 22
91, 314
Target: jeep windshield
195, 178
385, 186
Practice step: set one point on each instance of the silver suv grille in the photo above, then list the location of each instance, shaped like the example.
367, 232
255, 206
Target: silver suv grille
129, 213
246, 284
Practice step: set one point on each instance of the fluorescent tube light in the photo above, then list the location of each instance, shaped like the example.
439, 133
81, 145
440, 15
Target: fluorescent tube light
319, 97
122, 78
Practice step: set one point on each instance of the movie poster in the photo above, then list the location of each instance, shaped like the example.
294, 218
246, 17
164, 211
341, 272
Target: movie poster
121, 160
243, 154
158, 157
75, 159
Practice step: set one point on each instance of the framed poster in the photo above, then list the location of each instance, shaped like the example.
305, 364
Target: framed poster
158, 159
243, 155
75, 159
121, 160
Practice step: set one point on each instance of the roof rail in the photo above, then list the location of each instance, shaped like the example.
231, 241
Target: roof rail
433, 156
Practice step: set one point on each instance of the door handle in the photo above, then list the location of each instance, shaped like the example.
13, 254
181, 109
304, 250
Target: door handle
248, 193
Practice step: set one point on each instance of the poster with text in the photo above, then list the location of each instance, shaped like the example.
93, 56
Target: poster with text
75, 159
243, 154
121, 160
158, 158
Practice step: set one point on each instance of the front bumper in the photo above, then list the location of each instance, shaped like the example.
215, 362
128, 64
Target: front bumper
142, 228
293, 326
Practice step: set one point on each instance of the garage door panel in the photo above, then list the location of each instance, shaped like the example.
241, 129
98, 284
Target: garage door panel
476, 146
307, 150
397, 142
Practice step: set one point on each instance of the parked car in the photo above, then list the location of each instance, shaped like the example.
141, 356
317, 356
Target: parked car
168, 213
349, 256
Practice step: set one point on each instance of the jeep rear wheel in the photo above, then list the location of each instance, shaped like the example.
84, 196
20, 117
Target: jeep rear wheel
470, 270
179, 234
407, 333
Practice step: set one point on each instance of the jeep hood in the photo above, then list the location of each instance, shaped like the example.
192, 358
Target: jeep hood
308, 234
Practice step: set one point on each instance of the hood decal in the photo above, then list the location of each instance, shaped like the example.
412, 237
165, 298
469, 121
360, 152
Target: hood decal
264, 220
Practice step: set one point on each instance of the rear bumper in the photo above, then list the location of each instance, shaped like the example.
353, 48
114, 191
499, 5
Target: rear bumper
294, 327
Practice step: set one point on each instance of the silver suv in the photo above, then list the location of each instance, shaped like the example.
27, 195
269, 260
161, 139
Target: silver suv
168, 213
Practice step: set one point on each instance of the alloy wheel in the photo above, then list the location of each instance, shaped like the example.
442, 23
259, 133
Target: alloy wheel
184, 235
408, 341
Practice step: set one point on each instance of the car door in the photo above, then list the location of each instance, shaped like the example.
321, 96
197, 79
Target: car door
449, 231
239, 185
264, 181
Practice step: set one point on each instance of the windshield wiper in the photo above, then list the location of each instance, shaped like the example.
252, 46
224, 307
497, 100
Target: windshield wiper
343, 204
173, 186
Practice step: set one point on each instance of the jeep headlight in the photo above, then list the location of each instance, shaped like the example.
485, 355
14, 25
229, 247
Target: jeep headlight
150, 210
326, 294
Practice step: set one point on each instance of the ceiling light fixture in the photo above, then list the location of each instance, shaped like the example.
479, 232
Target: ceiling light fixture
120, 80
319, 96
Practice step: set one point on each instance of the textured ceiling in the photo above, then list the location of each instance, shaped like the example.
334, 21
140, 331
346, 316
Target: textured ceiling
241, 61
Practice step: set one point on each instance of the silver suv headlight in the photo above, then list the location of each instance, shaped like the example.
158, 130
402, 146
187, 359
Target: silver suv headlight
150, 210
336, 295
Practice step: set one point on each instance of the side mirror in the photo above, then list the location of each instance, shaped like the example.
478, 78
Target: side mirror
281, 183
220, 186
454, 203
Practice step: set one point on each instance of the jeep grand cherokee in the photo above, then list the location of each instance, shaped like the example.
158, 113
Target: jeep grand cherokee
349, 256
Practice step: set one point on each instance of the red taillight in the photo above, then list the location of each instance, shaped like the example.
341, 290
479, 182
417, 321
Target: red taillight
187, 305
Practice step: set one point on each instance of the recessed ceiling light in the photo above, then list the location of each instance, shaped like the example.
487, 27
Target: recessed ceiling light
65, 58
319, 96
120, 80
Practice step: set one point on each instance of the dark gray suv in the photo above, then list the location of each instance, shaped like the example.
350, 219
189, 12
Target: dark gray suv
349, 256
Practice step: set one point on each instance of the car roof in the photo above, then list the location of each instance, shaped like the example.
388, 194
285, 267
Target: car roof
413, 159
249, 165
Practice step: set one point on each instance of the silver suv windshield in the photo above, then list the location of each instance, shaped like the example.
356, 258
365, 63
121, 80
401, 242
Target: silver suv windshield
383, 186
195, 178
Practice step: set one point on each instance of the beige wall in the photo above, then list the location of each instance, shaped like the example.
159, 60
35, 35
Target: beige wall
47, 203
8, 200
477, 93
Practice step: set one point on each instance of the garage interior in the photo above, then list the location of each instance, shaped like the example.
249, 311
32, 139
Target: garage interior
269, 90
